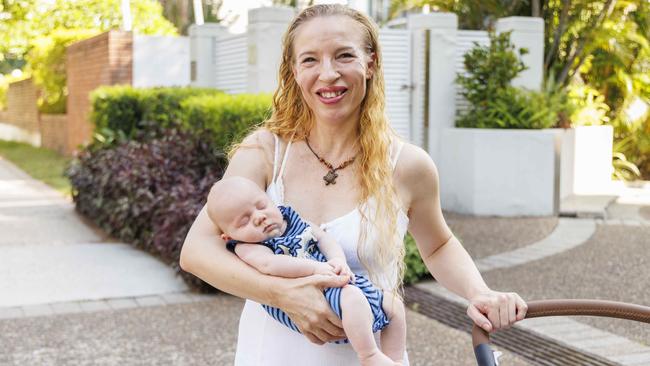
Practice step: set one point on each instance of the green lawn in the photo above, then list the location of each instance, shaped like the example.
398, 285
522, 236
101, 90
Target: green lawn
42, 164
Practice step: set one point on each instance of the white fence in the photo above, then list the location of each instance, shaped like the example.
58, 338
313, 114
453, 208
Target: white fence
467, 40
231, 55
160, 61
396, 50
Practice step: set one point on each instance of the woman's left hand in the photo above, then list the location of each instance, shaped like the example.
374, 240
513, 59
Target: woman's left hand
493, 310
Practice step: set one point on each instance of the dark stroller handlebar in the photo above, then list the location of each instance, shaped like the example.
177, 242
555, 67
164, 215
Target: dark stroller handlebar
610, 309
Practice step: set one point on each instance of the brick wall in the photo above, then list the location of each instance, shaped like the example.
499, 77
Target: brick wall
102, 60
53, 132
22, 111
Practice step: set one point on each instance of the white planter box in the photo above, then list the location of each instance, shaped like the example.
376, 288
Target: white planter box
500, 172
586, 160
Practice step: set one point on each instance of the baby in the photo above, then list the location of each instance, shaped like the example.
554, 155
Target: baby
256, 230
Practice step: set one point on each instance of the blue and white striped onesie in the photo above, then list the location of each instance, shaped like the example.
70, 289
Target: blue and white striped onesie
298, 241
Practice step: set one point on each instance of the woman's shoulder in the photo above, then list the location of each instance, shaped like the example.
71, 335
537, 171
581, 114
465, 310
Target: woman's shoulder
413, 160
253, 157
415, 169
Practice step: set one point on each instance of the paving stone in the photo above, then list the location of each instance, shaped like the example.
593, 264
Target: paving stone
623, 349
149, 301
201, 297
176, 298
125, 303
92, 306
12, 312
38, 310
66, 307
634, 359
596, 344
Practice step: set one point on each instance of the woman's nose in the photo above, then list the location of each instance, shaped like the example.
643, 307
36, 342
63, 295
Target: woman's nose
328, 72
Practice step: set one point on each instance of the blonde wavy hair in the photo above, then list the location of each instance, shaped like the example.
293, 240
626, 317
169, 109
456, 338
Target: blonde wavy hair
291, 119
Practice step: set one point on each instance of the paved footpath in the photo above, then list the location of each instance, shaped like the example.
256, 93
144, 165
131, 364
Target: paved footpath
71, 296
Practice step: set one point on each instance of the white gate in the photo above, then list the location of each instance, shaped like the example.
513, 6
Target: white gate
231, 63
396, 51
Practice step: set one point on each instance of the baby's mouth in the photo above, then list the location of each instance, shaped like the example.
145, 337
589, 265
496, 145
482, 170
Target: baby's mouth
270, 228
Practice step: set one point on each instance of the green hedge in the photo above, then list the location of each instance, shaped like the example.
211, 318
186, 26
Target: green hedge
121, 110
228, 117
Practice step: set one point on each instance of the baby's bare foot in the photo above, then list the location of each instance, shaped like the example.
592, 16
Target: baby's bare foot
378, 359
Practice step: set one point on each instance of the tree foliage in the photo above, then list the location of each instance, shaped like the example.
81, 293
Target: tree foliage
24, 21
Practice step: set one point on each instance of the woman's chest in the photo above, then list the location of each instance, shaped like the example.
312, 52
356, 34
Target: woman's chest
316, 199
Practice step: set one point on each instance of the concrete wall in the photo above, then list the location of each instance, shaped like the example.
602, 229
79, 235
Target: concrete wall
161, 61
500, 172
102, 60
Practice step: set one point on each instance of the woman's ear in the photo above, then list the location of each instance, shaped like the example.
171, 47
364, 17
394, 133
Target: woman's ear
370, 67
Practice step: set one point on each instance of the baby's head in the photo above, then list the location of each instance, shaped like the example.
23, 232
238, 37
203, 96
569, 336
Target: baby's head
243, 211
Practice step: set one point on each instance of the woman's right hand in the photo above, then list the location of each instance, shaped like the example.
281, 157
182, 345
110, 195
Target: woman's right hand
303, 301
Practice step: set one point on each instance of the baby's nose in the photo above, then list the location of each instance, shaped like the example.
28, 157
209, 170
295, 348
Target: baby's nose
260, 218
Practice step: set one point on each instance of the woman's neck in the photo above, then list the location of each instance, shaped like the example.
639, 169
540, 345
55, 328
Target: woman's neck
335, 142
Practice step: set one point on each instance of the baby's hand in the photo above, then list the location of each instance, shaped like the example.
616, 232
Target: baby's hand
340, 267
324, 268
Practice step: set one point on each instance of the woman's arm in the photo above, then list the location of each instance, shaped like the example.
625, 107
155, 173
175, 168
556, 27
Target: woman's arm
442, 253
264, 260
204, 254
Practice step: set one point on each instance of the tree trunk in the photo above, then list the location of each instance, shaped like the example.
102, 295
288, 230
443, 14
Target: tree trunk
535, 11
564, 15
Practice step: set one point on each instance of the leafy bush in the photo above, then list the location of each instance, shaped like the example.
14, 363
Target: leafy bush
46, 60
148, 193
494, 103
590, 106
228, 117
121, 110
415, 268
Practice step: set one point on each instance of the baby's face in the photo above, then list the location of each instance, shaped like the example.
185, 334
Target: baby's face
249, 215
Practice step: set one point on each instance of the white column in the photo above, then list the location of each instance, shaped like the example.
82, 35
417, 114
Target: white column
527, 32
202, 53
266, 26
440, 109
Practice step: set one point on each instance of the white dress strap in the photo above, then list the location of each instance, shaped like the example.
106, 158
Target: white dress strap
396, 157
275, 156
284, 160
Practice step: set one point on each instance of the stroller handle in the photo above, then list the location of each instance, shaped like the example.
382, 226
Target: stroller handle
561, 307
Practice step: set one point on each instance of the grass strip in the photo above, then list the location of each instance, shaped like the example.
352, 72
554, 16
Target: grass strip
40, 163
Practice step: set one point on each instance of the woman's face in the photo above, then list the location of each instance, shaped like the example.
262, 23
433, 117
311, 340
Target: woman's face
331, 67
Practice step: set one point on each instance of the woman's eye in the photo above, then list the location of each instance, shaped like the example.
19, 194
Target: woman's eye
346, 55
308, 59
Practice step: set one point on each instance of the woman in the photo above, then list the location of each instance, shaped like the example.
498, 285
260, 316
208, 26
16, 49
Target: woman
328, 151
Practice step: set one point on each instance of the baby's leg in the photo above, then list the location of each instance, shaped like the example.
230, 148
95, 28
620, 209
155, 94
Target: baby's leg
393, 336
357, 322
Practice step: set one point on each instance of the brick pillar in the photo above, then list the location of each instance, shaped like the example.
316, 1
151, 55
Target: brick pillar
105, 59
